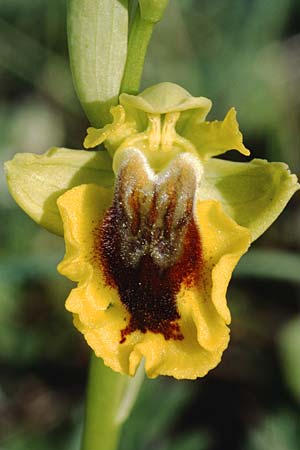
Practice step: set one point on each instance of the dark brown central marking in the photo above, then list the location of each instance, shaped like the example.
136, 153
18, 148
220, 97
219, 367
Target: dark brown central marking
149, 246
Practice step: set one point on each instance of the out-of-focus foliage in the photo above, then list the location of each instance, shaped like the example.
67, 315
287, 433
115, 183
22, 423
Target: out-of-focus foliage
289, 344
278, 431
237, 52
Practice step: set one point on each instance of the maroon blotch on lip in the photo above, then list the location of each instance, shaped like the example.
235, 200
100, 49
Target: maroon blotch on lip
147, 290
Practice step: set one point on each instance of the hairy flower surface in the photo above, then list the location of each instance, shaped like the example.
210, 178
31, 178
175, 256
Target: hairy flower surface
153, 243
153, 266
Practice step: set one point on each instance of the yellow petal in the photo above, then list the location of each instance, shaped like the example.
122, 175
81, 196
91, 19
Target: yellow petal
224, 242
217, 137
82, 210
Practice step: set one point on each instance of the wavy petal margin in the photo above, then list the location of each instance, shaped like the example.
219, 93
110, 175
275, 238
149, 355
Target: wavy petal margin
100, 315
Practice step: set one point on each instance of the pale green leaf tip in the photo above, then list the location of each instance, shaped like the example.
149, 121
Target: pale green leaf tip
165, 97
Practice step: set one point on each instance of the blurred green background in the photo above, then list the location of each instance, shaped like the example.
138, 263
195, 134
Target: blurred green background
236, 52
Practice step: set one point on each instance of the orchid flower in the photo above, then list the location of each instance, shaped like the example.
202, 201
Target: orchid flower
154, 226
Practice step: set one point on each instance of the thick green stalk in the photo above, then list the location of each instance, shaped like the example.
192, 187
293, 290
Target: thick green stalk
110, 397
139, 38
104, 393
147, 14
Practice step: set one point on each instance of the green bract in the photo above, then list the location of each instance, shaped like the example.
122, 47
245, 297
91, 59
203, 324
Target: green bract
97, 62
162, 122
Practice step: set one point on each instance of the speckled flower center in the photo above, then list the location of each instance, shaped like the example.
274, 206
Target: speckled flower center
149, 241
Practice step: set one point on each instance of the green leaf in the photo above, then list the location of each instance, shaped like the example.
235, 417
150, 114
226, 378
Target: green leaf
271, 264
130, 394
277, 431
253, 194
97, 37
173, 398
36, 181
289, 345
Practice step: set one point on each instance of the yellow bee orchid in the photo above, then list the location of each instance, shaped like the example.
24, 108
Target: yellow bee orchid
154, 227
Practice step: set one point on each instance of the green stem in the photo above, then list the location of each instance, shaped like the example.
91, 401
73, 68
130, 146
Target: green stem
139, 38
104, 393
110, 398
131, 8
